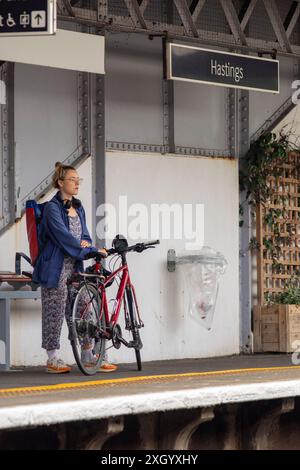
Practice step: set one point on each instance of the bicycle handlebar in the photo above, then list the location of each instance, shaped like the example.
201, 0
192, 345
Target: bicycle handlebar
138, 247
152, 242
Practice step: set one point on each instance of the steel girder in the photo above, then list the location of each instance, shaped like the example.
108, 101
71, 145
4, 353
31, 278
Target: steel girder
7, 154
101, 14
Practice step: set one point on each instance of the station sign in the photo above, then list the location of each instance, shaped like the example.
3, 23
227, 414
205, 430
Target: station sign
27, 17
199, 65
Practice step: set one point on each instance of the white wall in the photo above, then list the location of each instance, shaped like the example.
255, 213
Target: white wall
169, 332
38, 89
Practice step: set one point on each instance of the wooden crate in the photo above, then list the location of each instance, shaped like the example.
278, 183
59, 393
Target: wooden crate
276, 327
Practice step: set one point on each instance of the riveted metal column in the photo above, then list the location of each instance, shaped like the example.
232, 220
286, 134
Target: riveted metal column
168, 113
97, 148
168, 89
83, 111
238, 143
245, 230
102, 7
232, 142
7, 148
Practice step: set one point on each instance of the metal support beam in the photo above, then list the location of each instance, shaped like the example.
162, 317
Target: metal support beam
60, 7
293, 21
7, 148
143, 6
186, 17
246, 17
135, 13
277, 24
68, 7
135, 147
232, 122
239, 142
83, 121
168, 91
245, 231
197, 11
281, 112
97, 147
168, 140
168, 116
274, 119
217, 39
233, 21
102, 7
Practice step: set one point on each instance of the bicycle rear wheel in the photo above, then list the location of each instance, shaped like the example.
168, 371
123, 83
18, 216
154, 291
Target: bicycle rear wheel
133, 327
87, 328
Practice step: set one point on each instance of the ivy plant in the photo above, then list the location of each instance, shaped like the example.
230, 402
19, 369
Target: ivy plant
290, 295
264, 159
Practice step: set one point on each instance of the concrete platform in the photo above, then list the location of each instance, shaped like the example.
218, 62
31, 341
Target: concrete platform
30, 397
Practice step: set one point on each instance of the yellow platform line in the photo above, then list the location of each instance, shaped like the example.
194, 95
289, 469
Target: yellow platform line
128, 380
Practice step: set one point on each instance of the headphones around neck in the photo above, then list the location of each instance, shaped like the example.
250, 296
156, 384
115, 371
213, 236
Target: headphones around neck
70, 202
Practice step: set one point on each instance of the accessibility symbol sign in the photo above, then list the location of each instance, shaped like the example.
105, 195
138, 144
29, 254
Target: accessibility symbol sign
27, 17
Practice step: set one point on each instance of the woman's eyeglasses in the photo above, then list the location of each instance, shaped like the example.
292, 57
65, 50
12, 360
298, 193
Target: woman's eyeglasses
74, 180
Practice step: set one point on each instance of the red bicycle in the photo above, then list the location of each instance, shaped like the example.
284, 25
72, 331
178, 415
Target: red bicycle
90, 323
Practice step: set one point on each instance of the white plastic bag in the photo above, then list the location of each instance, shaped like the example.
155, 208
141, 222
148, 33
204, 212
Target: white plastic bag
202, 270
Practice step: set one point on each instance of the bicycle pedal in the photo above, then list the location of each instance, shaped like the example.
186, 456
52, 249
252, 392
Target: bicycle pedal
117, 336
133, 344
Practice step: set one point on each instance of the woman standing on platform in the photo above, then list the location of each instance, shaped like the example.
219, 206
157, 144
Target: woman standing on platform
66, 242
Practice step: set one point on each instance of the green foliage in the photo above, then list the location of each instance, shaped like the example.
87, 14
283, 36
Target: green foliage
290, 295
262, 160
265, 159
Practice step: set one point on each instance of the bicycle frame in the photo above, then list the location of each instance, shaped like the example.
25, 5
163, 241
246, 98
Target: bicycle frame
125, 283
104, 326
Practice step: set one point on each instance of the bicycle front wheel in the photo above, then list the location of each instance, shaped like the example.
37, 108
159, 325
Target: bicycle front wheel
133, 326
87, 328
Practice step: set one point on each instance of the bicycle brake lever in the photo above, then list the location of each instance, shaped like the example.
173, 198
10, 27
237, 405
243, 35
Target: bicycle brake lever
139, 250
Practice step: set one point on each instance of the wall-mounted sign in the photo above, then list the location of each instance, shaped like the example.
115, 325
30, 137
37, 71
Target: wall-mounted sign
195, 64
64, 50
27, 17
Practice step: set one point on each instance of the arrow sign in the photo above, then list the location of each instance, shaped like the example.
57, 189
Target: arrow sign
38, 18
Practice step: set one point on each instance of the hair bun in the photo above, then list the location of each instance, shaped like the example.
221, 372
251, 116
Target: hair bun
58, 164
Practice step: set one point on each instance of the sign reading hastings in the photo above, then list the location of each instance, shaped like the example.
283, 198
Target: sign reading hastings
195, 64
27, 17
